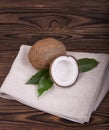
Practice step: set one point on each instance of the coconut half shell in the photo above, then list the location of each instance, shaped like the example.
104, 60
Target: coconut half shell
43, 52
64, 71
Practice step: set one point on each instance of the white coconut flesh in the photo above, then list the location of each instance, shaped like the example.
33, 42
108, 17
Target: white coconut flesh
64, 71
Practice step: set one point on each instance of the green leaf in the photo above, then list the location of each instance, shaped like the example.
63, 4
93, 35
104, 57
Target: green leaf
86, 64
42, 78
35, 78
45, 83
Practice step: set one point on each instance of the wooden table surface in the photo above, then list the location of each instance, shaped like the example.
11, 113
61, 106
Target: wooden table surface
82, 25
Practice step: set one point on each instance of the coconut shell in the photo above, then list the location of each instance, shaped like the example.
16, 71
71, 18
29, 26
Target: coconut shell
53, 78
43, 52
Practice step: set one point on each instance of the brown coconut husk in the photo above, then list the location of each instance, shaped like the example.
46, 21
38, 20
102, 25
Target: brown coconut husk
43, 52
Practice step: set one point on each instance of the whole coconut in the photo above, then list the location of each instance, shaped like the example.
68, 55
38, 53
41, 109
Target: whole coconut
43, 52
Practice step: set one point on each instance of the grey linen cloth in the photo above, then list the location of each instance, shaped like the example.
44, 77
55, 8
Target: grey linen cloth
75, 103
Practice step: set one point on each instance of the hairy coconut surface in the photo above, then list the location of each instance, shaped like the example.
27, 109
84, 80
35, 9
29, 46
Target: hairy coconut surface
43, 52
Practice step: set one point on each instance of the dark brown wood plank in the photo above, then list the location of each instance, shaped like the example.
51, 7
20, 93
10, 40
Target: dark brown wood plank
80, 25
51, 3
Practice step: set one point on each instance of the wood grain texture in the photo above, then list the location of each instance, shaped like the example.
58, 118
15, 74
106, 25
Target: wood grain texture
80, 25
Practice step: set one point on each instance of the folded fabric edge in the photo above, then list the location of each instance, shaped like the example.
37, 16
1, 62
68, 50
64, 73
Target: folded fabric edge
2, 94
7, 96
104, 88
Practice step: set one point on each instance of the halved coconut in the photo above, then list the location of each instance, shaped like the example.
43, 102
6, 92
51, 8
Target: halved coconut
64, 71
